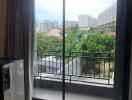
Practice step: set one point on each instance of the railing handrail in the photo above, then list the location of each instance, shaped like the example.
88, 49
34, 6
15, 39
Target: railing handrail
82, 52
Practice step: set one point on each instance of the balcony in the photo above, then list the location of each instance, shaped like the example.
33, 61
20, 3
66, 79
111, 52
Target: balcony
92, 72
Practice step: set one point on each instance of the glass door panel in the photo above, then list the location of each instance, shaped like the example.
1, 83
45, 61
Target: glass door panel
90, 48
48, 50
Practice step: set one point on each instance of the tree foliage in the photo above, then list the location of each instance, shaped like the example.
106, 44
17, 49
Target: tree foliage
48, 43
71, 39
77, 40
97, 42
74, 37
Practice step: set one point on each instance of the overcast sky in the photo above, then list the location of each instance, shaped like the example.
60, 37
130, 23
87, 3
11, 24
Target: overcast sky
52, 9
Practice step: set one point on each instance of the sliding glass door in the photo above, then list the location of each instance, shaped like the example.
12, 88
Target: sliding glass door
74, 49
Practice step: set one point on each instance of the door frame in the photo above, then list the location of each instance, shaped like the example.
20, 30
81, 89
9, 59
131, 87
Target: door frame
122, 60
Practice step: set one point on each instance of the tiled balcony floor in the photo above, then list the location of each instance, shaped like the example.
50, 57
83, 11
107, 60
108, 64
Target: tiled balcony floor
57, 95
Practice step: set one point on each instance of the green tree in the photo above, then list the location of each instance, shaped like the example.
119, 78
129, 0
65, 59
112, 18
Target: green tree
48, 43
74, 38
97, 42
71, 39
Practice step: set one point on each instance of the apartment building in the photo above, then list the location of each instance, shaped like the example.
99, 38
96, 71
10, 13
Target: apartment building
69, 23
47, 25
107, 19
87, 21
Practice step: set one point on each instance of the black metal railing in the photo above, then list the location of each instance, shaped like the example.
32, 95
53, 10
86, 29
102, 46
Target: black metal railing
80, 67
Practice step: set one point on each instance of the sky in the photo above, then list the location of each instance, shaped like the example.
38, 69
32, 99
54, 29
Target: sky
52, 9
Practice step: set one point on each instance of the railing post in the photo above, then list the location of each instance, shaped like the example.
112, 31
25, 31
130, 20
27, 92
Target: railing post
70, 79
41, 69
37, 63
109, 69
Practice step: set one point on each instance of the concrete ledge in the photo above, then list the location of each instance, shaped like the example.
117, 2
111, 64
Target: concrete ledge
92, 89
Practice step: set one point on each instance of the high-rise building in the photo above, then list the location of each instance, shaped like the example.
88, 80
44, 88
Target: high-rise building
87, 21
47, 25
69, 23
107, 19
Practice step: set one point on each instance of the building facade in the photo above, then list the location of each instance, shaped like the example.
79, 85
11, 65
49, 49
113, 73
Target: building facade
87, 21
107, 19
69, 23
47, 25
